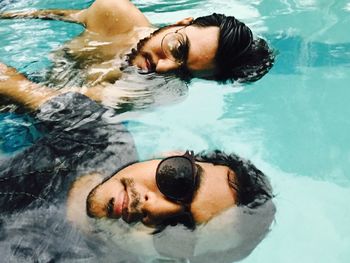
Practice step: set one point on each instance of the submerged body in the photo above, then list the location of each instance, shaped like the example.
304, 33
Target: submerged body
83, 145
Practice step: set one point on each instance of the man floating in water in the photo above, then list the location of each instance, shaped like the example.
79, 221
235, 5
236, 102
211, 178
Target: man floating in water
215, 47
87, 160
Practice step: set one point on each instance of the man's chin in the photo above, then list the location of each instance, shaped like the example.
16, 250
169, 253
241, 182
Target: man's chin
131, 57
137, 63
77, 196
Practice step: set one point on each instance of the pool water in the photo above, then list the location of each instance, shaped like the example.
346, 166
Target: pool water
293, 124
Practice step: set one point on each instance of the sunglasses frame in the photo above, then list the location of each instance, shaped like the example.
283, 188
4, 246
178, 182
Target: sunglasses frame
184, 38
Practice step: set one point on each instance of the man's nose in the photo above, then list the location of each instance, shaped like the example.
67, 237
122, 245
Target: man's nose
149, 201
155, 207
166, 65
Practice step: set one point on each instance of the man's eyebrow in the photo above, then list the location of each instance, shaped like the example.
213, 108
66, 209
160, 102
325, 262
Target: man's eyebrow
187, 45
199, 177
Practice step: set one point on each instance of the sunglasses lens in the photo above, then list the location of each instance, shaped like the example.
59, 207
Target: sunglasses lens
172, 46
175, 177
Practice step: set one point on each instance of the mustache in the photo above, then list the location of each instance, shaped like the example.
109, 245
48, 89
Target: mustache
135, 211
135, 51
135, 196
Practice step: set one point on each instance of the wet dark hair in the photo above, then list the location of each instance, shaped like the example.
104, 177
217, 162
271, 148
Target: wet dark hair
239, 56
251, 185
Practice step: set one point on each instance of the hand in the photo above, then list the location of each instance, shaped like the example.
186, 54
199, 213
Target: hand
5, 72
3, 69
19, 89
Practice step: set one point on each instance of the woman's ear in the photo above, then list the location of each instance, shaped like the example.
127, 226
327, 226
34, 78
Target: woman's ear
185, 22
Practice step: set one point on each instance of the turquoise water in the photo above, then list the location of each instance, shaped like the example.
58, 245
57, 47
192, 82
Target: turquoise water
293, 124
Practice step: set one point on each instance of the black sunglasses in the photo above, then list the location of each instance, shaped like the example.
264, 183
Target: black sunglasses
176, 177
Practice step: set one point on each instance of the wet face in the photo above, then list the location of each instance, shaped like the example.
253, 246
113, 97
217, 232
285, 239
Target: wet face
199, 47
132, 195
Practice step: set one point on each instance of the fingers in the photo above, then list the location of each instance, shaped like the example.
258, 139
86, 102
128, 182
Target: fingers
3, 68
184, 22
3, 72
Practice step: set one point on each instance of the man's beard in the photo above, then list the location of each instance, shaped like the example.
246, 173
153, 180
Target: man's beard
136, 51
182, 73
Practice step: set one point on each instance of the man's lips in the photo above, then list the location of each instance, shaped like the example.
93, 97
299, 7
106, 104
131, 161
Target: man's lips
150, 67
125, 209
119, 207
148, 64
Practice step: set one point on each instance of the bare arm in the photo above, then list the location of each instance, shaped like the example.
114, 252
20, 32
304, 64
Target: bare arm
105, 17
74, 16
18, 88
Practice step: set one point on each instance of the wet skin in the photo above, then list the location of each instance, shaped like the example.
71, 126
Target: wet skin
203, 44
112, 28
132, 195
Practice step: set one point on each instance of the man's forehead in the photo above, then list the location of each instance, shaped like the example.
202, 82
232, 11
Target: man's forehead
203, 42
214, 194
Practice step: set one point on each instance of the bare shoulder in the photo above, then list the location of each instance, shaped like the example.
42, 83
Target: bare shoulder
112, 17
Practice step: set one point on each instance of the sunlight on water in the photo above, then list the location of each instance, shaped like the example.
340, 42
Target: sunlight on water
293, 124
